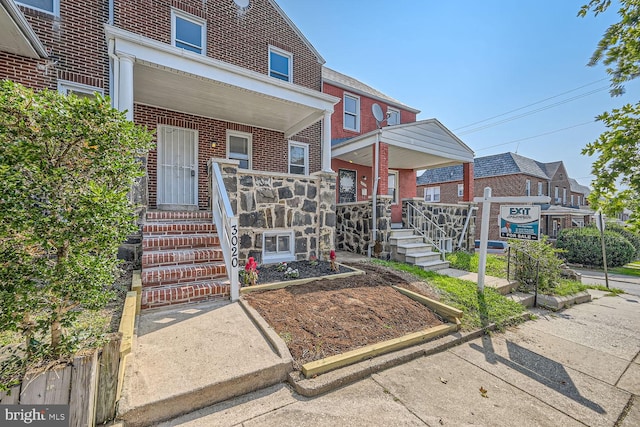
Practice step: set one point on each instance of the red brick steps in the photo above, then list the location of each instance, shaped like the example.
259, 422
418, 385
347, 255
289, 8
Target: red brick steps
181, 259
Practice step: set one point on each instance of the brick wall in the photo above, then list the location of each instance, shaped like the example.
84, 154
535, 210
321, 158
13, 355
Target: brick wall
240, 40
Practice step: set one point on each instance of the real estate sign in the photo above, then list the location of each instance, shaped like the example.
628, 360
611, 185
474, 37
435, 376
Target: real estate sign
520, 222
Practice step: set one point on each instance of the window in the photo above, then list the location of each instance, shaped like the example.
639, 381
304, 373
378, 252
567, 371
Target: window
579, 201
49, 6
298, 158
351, 112
527, 187
280, 63
66, 87
555, 195
539, 189
432, 194
460, 190
188, 32
564, 196
277, 247
572, 200
239, 148
393, 117
392, 186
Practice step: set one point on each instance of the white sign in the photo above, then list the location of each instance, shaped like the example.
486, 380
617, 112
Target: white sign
520, 222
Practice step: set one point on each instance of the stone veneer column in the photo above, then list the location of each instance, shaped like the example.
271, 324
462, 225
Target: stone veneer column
326, 182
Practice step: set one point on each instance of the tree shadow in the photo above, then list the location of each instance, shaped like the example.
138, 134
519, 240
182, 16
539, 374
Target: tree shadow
537, 367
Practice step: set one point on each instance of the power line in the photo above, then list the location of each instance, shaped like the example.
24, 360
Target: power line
546, 107
536, 136
532, 104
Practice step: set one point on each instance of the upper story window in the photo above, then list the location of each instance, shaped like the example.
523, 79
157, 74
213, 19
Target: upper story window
298, 158
188, 31
351, 112
393, 116
48, 6
527, 187
564, 196
66, 87
239, 148
280, 64
539, 189
432, 194
460, 190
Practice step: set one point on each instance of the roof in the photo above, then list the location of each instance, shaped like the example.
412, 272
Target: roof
16, 35
576, 187
354, 85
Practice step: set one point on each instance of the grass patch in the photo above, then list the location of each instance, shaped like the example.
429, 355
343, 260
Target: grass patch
568, 287
612, 291
628, 270
479, 309
496, 265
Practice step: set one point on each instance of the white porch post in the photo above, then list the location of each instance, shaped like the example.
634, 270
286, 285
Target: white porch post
326, 142
125, 89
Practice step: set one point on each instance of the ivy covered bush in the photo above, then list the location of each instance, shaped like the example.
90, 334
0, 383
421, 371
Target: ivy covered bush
632, 236
66, 166
583, 246
531, 259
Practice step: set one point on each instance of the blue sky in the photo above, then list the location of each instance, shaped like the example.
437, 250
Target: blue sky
465, 61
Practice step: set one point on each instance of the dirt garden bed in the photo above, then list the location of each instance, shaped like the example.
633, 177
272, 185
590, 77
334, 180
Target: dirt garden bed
329, 317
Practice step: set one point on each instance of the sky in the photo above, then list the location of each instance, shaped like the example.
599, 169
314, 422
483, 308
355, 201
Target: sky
465, 61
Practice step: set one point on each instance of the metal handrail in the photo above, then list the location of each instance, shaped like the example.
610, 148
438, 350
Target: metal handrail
227, 225
525, 269
428, 229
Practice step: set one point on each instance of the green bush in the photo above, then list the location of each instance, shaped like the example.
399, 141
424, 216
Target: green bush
531, 259
582, 246
631, 236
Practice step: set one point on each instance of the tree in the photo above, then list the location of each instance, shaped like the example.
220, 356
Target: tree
67, 164
617, 148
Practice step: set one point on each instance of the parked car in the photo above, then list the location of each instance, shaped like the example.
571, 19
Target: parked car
498, 247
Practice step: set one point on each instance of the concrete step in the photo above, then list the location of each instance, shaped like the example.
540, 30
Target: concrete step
181, 257
176, 274
504, 287
161, 296
173, 216
177, 228
189, 241
402, 232
434, 265
522, 298
408, 248
404, 240
422, 257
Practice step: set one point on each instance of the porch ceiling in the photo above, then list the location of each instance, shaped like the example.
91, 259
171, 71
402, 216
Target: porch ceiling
16, 35
419, 145
175, 79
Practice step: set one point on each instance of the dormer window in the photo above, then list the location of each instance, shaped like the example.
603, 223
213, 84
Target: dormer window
48, 6
280, 64
188, 32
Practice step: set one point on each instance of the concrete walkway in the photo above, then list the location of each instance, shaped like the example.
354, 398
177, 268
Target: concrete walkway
573, 368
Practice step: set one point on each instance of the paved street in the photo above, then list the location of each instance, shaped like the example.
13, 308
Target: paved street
573, 368
629, 284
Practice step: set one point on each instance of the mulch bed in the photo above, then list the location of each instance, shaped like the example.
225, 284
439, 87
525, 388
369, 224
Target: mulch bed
327, 317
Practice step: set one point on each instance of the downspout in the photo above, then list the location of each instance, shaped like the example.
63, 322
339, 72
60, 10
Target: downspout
374, 198
114, 74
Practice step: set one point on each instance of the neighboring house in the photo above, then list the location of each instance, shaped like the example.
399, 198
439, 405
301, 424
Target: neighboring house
223, 82
510, 174
377, 161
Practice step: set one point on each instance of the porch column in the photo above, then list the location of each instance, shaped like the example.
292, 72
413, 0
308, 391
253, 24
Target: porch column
326, 142
125, 89
383, 168
468, 181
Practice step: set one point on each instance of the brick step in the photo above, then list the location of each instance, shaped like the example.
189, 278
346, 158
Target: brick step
181, 257
173, 228
184, 293
178, 274
179, 216
182, 241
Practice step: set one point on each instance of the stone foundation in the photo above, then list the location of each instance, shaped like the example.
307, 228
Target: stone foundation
354, 230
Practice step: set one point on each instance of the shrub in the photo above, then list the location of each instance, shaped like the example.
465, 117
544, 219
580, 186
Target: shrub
583, 246
531, 258
631, 236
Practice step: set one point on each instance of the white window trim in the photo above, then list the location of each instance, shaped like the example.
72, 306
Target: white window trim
56, 7
249, 138
393, 110
306, 156
431, 191
539, 188
527, 187
357, 113
196, 20
282, 53
280, 256
460, 190
564, 196
66, 86
396, 191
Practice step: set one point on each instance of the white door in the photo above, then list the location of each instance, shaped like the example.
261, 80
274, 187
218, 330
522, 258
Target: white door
177, 168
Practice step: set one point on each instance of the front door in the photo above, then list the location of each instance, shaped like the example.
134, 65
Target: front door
177, 168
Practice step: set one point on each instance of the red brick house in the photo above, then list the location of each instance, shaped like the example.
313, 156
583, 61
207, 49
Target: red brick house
509, 174
376, 160
232, 90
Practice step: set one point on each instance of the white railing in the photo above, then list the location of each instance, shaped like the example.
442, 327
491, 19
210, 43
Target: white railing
226, 224
428, 229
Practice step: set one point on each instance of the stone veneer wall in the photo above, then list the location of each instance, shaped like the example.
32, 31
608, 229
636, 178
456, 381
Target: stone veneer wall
451, 217
268, 201
354, 231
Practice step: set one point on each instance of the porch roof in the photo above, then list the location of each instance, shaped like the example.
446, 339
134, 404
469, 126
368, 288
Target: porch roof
419, 145
555, 210
179, 80
16, 35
